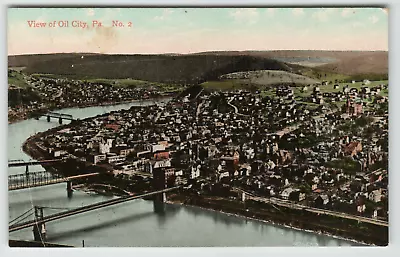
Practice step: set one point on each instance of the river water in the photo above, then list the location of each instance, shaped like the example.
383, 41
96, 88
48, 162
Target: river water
136, 223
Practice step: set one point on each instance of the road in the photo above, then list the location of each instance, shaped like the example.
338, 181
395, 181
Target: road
198, 110
236, 109
292, 205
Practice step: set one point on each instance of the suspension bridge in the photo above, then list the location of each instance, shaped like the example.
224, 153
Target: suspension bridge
38, 223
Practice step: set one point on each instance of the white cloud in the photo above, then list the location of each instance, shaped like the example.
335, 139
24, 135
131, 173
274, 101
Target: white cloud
373, 19
323, 14
166, 13
270, 12
90, 12
249, 15
298, 11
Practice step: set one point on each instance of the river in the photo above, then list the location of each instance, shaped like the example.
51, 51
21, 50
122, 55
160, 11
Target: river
135, 223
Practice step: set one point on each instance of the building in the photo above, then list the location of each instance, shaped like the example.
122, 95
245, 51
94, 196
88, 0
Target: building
352, 108
375, 196
352, 148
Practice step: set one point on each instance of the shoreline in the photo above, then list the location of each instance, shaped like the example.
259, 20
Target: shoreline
270, 222
29, 147
25, 116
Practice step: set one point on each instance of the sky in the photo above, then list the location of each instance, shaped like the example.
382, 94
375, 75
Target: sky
191, 30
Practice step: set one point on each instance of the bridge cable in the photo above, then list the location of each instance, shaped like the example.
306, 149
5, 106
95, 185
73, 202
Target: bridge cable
20, 221
31, 209
58, 208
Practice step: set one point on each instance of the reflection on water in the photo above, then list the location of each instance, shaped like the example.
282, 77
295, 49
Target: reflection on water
139, 222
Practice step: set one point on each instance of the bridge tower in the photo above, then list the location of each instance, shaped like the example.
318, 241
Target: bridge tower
48, 118
159, 183
60, 120
69, 188
39, 229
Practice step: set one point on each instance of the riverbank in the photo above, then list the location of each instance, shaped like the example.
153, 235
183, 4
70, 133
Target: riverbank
26, 115
363, 234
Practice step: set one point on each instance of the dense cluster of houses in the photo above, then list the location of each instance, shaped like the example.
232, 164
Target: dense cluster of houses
365, 96
272, 146
46, 93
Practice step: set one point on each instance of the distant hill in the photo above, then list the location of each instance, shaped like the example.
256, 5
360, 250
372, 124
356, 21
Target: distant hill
30, 59
367, 63
343, 62
185, 69
199, 67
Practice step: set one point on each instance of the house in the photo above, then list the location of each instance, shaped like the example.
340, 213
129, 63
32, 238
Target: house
161, 155
115, 159
223, 175
126, 151
286, 193
195, 172
297, 196
352, 148
366, 82
314, 186
366, 90
114, 127
322, 200
375, 196
98, 158
104, 148
352, 108
156, 147
361, 208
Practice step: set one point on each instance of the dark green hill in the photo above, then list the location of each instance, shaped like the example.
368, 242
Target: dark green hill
181, 69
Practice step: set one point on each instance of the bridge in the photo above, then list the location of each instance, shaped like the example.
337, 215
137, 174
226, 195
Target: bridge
293, 205
59, 116
21, 163
39, 222
42, 178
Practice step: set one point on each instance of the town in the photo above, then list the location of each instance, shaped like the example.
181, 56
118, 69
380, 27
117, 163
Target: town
42, 94
327, 148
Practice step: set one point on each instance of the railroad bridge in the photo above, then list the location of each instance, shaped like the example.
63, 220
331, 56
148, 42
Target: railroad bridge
59, 116
21, 163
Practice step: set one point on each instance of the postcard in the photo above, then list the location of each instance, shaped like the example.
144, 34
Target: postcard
197, 127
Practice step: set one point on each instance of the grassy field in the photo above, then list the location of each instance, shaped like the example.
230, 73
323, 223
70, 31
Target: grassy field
16, 79
325, 75
258, 79
270, 77
224, 85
